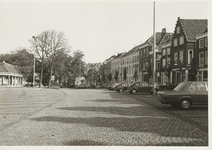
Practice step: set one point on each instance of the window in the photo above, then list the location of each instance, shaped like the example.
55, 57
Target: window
164, 62
178, 30
168, 61
175, 42
144, 65
144, 52
201, 59
144, 84
197, 87
190, 56
181, 57
158, 65
205, 75
206, 42
181, 40
164, 52
147, 62
206, 57
158, 56
147, 52
201, 43
168, 51
175, 58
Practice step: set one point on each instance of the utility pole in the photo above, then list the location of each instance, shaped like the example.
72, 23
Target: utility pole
154, 51
34, 64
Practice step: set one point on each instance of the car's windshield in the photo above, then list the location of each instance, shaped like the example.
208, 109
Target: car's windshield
180, 86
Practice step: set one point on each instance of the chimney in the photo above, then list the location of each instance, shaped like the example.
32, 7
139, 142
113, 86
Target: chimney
163, 32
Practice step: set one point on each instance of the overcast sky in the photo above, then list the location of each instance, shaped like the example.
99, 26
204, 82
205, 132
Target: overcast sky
99, 29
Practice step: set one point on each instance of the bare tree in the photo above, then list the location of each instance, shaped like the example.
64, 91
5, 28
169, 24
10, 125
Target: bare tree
41, 47
57, 45
48, 45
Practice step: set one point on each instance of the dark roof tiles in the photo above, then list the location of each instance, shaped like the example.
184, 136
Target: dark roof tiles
192, 27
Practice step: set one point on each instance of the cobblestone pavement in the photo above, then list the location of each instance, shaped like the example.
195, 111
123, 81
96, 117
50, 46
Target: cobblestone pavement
82, 117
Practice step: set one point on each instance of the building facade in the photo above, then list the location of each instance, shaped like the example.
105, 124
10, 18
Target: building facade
10, 75
202, 48
184, 49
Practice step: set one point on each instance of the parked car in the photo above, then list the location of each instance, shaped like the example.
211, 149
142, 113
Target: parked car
160, 87
80, 86
121, 87
142, 86
185, 94
114, 86
55, 85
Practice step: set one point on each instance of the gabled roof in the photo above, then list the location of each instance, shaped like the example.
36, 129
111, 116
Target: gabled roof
8, 68
131, 51
118, 55
166, 39
192, 27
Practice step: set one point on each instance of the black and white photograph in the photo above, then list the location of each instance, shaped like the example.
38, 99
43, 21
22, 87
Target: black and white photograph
105, 74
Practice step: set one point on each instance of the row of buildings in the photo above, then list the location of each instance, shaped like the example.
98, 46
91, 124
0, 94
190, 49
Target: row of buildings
181, 55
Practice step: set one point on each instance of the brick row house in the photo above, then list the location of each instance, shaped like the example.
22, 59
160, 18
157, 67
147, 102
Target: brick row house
184, 49
180, 56
202, 49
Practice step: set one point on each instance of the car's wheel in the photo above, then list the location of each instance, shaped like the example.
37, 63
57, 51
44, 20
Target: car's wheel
134, 91
185, 103
120, 90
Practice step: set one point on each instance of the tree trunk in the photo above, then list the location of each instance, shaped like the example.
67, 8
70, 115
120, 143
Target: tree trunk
41, 75
50, 76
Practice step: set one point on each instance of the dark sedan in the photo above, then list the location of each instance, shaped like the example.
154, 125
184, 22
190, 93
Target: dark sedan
185, 94
142, 86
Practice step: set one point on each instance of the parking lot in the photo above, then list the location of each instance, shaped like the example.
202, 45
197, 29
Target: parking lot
94, 117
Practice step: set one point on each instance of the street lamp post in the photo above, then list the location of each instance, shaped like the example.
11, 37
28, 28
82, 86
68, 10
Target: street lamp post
154, 51
34, 63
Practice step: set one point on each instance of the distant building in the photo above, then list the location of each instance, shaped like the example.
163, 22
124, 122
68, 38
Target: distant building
10, 75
